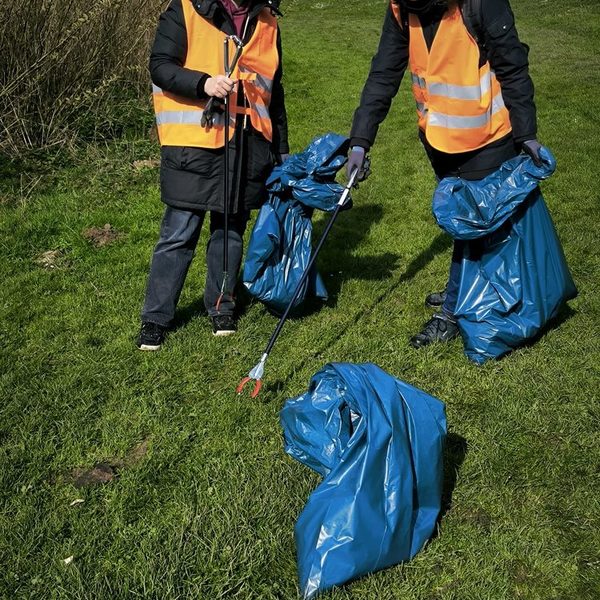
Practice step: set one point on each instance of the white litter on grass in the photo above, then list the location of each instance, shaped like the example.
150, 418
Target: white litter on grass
68, 560
77, 501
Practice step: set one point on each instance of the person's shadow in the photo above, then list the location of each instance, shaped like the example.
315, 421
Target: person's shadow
338, 263
371, 268
439, 244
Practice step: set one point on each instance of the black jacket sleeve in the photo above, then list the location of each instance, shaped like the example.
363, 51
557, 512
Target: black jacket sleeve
277, 108
168, 56
383, 82
508, 58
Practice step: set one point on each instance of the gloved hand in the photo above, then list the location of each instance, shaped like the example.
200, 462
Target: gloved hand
357, 159
532, 147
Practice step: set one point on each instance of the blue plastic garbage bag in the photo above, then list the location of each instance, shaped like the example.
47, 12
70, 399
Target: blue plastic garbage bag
514, 274
280, 245
378, 443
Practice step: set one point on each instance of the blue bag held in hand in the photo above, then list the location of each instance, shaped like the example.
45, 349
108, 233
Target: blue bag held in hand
514, 275
280, 245
378, 443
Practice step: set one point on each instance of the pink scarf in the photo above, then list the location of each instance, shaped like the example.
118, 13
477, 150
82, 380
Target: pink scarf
237, 13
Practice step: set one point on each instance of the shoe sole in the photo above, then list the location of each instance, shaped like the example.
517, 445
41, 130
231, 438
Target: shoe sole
148, 348
224, 333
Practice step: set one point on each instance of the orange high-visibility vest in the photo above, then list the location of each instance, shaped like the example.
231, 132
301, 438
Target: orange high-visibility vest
459, 104
178, 119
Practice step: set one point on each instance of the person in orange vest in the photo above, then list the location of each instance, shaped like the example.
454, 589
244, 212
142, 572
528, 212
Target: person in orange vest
187, 69
474, 102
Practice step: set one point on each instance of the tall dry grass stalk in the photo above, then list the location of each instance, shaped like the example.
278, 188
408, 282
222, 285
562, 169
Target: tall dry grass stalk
72, 70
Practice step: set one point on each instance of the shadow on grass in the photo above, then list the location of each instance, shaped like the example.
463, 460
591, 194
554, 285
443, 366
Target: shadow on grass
564, 314
186, 314
439, 244
196, 309
337, 257
455, 450
377, 268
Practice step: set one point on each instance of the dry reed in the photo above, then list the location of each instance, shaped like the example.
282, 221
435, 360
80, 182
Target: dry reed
72, 71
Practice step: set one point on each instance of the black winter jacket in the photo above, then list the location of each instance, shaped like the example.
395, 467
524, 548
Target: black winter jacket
508, 58
192, 178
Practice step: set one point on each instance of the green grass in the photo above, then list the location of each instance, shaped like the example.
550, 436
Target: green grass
208, 511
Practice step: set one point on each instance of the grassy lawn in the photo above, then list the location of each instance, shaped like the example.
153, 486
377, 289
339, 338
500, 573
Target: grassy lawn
204, 501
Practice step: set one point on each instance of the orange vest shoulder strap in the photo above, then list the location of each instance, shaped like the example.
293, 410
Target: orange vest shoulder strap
269, 17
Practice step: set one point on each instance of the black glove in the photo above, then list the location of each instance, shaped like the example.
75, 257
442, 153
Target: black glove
532, 147
280, 158
358, 159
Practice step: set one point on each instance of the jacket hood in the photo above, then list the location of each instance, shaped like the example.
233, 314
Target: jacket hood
208, 8
420, 6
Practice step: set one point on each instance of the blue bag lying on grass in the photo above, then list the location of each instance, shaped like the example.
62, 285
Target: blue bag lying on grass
280, 245
514, 275
378, 444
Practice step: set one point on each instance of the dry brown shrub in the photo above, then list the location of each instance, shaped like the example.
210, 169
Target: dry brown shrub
72, 70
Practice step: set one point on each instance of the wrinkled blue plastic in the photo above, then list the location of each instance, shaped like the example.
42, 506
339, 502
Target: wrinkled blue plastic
378, 443
514, 274
280, 245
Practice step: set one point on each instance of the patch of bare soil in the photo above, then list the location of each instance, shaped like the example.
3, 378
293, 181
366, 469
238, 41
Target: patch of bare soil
104, 472
101, 236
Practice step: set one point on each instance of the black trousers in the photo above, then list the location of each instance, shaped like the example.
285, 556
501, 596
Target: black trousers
173, 254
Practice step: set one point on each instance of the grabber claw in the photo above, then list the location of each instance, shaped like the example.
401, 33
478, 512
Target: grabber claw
255, 391
255, 375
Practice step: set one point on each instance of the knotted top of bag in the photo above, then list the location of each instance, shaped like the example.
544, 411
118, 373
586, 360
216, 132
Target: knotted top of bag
309, 176
468, 210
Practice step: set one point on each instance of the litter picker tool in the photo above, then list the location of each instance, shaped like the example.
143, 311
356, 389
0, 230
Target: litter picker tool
208, 115
229, 67
256, 374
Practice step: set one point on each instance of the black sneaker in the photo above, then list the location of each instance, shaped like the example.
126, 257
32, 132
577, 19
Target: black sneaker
224, 325
151, 337
435, 299
439, 328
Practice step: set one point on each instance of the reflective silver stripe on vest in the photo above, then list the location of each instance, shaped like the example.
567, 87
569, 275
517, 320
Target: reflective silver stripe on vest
419, 81
435, 119
156, 89
261, 81
497, 103
264, 82
188, 117
462, 92
262, 111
